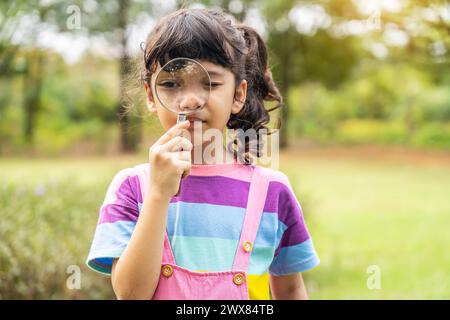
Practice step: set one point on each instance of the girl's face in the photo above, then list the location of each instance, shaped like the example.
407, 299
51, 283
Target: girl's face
225, 99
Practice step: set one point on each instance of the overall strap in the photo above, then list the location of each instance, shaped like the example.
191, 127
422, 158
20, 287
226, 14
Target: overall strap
167, 256
255, 206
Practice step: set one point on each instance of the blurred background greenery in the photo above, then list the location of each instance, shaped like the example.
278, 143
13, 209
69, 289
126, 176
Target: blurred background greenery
365, 135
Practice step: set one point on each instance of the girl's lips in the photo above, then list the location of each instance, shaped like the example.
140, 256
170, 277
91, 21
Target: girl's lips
193, 121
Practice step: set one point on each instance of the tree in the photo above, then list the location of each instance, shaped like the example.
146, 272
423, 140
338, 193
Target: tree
109, 19
302, 56
32, 66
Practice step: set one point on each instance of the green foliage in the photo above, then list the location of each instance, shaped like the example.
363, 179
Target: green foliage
58, 136
433, 135
47, 227
372, 107
371, 131
72, 94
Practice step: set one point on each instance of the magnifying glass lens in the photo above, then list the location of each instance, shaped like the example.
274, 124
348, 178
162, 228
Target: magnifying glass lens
183, 86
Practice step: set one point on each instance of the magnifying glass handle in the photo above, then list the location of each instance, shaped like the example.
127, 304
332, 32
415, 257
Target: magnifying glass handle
181, 118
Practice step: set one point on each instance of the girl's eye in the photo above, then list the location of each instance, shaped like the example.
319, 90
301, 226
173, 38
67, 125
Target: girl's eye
213, 84
169, 84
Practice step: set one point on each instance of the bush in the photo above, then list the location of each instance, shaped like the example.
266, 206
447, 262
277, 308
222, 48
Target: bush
372, 131
56, 136
433, 135
45, 229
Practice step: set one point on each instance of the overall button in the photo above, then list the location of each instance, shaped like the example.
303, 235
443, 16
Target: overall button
167, 270
248, 246
238, 279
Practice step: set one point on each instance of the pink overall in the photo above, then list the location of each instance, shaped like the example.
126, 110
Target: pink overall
177, 283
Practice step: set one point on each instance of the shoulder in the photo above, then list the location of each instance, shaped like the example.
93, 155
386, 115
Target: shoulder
131, 172
281, 197
127, 181
282, 200
280, 191
277, 179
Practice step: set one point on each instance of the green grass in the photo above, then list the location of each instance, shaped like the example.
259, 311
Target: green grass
359, 212
392, 215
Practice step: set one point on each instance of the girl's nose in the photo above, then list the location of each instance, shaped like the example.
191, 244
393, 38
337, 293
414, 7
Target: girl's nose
191, 102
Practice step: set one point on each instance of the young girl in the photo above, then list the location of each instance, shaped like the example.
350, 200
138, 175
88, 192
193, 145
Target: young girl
236, 229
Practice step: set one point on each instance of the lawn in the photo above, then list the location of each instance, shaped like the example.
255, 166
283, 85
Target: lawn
391, 212
362, 211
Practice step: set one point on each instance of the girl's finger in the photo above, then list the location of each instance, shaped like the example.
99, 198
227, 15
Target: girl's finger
176, 144
184, 144
184, 165
182, 155
172, 132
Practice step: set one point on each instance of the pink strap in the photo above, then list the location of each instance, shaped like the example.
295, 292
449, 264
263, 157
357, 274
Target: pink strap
167, 256
167, 252
255, 207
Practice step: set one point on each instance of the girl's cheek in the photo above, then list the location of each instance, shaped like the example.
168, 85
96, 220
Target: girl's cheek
167, 118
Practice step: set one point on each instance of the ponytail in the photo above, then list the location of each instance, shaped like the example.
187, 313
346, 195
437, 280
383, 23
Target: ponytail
260, 87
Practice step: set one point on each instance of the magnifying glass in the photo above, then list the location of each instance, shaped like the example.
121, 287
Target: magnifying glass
182, 86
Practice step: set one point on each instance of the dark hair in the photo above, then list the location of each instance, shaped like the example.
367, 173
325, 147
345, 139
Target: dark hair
210, 34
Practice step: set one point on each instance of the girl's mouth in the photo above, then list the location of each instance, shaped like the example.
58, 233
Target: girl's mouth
195, 123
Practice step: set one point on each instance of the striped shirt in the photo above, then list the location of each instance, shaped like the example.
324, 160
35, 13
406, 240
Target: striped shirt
204, 224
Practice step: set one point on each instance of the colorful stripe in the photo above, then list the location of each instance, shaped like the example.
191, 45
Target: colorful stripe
278, 200
296, 258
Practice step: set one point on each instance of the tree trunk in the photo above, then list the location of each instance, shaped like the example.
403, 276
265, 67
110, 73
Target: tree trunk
128, 138
32, 87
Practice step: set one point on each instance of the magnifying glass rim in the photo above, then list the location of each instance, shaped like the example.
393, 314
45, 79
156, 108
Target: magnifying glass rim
162, 68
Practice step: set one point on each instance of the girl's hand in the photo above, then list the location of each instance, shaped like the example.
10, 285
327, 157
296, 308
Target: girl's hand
170, 158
